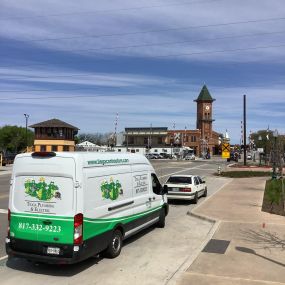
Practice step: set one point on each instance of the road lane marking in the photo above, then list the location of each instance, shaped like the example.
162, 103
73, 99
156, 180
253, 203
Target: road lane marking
3, 211
3, 257
185, 169
4, 196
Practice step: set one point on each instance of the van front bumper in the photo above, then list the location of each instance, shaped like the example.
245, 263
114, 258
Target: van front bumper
35, 251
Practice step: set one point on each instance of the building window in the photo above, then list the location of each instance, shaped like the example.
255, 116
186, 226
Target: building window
131, 140
65, 148
54, 147
159, 140
145, 140
43, 148
193, 138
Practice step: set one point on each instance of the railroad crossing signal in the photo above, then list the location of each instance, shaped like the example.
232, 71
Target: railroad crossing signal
226, 150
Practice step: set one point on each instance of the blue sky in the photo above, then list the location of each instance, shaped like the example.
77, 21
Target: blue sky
84, 61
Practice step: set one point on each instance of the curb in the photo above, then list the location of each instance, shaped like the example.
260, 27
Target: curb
189, 260
201, 217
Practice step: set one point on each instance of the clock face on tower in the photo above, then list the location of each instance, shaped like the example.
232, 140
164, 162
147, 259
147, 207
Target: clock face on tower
207, 107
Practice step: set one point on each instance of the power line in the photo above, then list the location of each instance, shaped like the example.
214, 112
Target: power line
153, 31
171, 43
50, 97
162, 56
111, 10
221, 51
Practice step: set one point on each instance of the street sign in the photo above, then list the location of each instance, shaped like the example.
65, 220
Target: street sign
226, 150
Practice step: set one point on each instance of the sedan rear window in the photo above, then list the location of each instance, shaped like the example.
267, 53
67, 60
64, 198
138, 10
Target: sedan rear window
179, 180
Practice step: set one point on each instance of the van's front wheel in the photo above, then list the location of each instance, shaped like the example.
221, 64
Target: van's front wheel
114, 248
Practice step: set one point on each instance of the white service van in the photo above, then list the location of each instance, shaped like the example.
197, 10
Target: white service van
65, 207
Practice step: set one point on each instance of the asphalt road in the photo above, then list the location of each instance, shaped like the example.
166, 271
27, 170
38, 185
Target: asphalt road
151, 257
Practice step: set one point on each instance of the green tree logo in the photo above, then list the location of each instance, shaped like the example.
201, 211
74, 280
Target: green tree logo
41, 190
111, 190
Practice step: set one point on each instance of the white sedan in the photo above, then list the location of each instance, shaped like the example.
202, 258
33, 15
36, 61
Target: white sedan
186, 187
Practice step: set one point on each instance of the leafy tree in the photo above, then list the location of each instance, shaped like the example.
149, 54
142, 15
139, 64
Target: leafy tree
96, 138
13, 138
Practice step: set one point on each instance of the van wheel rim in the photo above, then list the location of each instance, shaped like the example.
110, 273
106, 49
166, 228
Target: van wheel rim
116, 244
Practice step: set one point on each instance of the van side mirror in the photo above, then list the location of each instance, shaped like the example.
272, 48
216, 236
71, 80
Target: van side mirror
164, 189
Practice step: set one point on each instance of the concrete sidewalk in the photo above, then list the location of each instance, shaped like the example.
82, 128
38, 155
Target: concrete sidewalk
249, 245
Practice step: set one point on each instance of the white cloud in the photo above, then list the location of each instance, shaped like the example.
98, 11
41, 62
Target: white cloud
28, 27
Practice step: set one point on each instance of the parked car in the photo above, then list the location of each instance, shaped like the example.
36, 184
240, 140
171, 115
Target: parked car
8, 158
190, 157
156, 156
186, 187
249, 157
165, 155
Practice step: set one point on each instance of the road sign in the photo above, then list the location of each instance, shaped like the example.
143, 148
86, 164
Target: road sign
226, 150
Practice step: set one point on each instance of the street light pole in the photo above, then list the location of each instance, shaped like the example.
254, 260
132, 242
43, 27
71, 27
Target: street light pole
260, 139
275, 135
244, 129
27, 117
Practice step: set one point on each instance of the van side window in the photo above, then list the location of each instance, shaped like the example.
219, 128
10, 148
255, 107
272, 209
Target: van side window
156, 186
200, 179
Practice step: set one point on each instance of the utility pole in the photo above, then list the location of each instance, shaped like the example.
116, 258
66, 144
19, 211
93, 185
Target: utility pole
27, 117
116, 126
244, 129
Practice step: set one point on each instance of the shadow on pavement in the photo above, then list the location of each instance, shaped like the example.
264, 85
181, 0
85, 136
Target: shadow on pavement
251, 251
21, 264
180, 202
264, 239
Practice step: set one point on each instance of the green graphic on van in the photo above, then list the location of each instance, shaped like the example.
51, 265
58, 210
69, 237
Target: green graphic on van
111, 190
42, 190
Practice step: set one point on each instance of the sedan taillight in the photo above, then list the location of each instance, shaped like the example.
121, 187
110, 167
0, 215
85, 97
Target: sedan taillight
185, 189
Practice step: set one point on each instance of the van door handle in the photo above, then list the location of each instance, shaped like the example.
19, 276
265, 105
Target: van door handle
47, 222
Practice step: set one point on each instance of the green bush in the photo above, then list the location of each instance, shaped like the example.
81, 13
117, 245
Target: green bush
245, 174
273, 191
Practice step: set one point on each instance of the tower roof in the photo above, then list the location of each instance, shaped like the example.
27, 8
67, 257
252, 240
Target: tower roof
204, 95
55, 123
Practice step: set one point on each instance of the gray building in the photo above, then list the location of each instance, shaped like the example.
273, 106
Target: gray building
145, 137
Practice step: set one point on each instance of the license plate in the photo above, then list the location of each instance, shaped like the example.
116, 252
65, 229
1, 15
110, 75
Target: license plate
175, 189
53, 250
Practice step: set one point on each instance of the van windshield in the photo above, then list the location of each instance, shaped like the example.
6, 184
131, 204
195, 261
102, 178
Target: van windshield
179, 180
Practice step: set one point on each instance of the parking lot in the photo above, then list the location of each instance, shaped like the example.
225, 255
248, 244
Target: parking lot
155, 256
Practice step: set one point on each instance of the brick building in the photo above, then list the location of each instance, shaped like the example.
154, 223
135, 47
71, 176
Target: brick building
202, 140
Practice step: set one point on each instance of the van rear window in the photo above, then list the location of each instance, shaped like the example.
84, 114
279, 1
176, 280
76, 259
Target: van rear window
179, 180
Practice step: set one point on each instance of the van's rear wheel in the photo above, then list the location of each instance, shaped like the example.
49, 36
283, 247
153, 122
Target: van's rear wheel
114, 248
161, 221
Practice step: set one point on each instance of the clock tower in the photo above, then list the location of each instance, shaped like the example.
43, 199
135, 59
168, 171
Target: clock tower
204, 115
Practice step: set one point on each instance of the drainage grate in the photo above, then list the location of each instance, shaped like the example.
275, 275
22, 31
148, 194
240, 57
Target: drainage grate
216, 246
